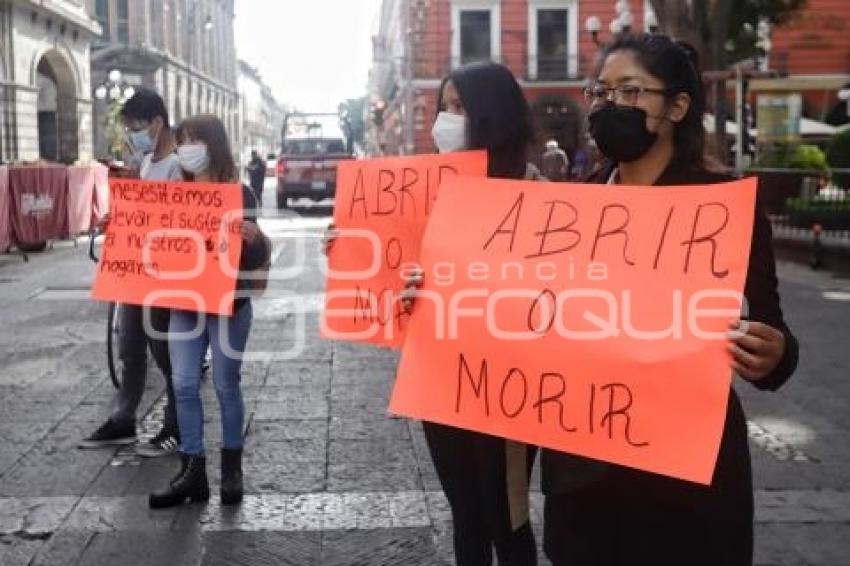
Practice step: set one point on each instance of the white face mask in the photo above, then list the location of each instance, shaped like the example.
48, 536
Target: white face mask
143, 142
449, 132
194, 157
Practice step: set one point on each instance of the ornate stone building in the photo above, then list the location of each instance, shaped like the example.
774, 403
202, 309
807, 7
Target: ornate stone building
45, 94
184, 49
260, 114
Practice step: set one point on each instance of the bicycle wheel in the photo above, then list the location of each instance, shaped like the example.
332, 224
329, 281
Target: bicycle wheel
113, 359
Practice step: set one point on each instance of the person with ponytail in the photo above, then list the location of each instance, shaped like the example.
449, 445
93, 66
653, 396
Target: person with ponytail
646, 109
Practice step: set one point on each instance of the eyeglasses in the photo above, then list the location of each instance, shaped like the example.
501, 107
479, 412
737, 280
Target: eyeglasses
625, 95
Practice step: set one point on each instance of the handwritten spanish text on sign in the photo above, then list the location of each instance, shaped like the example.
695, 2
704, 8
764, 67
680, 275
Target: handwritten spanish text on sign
171, 245
583, 318
382, 206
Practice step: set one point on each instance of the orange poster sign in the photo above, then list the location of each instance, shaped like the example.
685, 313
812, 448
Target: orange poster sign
583, 318
173, 245
382, 206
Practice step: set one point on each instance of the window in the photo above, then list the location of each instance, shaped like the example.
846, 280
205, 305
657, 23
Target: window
123, 22
474, 36
156, 32
552, 40
552, 44
476, 31
101, 11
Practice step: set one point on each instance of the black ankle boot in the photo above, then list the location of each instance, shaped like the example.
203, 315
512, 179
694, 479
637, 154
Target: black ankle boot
191, 483
231, 476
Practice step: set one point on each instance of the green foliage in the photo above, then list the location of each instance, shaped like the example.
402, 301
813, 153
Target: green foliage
115, 137
794, 156
352, 120
722, 30
830, 214
744, 19
838, 157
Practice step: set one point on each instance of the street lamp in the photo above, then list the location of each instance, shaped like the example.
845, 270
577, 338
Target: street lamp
651, 21
593, 25
620, 25
114, 88
114, 91
844, 94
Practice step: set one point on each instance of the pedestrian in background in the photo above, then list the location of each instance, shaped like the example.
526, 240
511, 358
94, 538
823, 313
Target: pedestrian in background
149, 132
646, 110
205, 156
257, 175
555, 163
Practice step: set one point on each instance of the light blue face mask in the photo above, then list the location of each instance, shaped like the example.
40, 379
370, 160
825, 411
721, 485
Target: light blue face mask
142, 141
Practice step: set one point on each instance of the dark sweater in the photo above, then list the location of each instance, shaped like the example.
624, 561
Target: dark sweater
659, 510
254, 254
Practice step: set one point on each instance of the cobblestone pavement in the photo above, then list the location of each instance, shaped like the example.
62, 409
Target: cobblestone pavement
331, 478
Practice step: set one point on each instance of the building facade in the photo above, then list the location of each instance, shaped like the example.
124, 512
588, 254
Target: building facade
546, 45
542, 42
45, 99
184, 49
260, 114
813, 51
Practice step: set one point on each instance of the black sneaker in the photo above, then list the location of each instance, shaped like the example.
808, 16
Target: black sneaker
164, 443
111, 433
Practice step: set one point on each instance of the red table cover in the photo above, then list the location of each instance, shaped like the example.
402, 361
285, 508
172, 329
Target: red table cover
39, 207
5, 222
87, 186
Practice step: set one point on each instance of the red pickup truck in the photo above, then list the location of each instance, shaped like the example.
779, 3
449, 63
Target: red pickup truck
306, 167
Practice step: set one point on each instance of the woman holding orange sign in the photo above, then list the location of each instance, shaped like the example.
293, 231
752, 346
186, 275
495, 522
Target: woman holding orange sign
485, 478
645, 113
205, 156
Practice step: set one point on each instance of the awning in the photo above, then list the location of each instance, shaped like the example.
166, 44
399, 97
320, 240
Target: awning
808, 127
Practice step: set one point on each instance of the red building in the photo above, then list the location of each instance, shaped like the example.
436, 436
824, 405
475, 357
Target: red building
542, 41
545, 44
813, 51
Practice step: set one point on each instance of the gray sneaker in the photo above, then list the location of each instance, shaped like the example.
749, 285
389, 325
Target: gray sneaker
163, 444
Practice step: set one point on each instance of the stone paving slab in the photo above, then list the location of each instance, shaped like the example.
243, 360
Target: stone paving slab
262, 549
317, 427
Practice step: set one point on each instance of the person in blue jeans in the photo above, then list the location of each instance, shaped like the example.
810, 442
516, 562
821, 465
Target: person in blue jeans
205, 156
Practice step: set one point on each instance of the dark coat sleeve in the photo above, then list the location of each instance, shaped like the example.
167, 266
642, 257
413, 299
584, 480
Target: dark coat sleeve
763, 303
255, 253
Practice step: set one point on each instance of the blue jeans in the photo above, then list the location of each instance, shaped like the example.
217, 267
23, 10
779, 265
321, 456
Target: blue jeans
189, 336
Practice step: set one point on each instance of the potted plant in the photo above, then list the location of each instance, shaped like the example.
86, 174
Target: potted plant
781, 171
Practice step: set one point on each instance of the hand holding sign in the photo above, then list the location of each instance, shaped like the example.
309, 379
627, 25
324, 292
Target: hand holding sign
588, 319
382, 206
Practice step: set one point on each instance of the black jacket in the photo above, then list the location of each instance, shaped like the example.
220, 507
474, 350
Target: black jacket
253, 255
715, 520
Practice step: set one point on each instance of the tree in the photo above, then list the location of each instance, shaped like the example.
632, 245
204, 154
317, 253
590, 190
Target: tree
722, 32
352, 121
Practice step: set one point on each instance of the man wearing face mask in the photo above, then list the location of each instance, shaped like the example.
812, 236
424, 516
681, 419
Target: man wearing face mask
149, 132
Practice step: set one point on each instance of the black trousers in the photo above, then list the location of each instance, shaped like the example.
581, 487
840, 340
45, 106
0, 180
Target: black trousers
599, 514
485, 479
133, 343
258, 191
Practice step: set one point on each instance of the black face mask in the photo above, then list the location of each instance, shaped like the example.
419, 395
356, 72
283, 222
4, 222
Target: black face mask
620, 132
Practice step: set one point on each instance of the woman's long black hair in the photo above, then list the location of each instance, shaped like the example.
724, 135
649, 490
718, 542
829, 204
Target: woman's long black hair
677, 66
500, 119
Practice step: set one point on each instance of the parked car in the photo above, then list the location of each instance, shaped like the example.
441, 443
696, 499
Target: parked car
306, 168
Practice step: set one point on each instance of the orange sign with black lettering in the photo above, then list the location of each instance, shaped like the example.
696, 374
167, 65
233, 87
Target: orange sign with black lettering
583, 318
173, 245
382, 206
